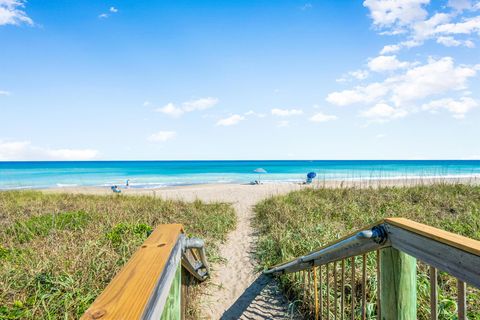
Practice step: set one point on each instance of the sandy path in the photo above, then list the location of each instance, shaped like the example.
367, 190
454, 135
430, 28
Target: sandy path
236, 289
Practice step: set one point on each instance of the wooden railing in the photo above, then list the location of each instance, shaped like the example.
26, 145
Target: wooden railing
152, 283
379, 264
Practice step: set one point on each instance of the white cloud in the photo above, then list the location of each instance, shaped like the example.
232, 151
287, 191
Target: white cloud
436, 77
467, 26
460, 5
321, 117
286, 112
360, 94
199, 104
11, 12
380, 136
396, 13
188, 106
162, 136
410, 18
4, 93
256, 114
452, 42
382, 112
391, 48
230, 121
171, 110
24, 150
357, 74
283, 124
386, 63
457, 107
112, 10
424, 29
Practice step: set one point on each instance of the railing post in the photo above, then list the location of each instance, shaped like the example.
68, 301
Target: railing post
398, 285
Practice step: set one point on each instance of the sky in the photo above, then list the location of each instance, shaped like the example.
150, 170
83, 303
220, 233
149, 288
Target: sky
183, 80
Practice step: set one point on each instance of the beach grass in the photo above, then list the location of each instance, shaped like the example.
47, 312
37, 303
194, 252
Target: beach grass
297, 223
59, 251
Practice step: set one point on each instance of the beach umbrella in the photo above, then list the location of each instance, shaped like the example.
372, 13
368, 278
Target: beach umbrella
260, 171
311, 175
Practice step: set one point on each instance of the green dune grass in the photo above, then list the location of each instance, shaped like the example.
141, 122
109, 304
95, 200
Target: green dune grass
59, 251
299, 222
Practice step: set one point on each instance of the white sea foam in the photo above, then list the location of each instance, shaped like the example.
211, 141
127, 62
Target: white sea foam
66, 185
17, 187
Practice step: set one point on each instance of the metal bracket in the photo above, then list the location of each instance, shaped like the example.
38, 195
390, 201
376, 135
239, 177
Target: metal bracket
379, 234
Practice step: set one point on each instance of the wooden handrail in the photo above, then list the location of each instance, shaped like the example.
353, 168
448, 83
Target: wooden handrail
128, 294
455, 240
398, 243
332, 243
467, 245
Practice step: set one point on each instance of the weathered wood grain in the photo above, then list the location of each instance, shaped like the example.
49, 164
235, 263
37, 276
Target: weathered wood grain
127, 295
466, 244
444, 257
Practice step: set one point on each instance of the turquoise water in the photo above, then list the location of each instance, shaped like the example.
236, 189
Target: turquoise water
157, 174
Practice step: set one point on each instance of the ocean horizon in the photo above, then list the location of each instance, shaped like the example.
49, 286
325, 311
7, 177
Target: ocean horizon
159, 174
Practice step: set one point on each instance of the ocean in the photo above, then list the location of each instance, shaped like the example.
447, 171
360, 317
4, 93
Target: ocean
158, 174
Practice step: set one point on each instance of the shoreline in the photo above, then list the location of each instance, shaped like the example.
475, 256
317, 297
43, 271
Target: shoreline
319, 180
221, 187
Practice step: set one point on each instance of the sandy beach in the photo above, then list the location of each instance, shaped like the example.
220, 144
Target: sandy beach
236, 289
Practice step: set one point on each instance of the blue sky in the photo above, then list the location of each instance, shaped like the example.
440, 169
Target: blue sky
372, 79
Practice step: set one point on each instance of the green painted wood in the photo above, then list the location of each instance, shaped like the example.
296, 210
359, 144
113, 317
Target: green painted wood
173, 305
398, 292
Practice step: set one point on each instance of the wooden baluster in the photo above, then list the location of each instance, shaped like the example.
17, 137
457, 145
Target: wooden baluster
315, 287
379, 286
462, 299
342, 287
353, 289
309, 291
304, 280
335, 290
364, 286
321, 291
328, 293
433, 293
